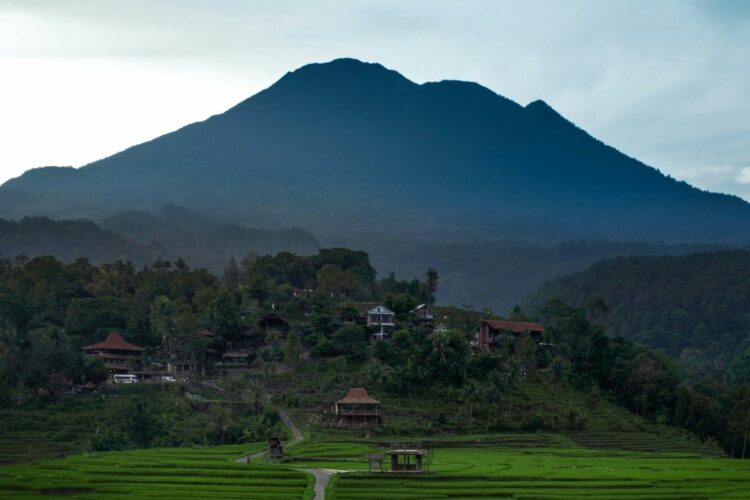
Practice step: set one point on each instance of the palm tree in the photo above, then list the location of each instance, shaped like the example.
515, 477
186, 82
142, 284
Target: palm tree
470, 391
557, 371
432, 281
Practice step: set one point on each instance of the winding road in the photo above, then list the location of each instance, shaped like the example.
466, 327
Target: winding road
322, 476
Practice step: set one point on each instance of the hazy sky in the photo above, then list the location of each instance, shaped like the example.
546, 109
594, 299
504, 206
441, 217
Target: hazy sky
666, 82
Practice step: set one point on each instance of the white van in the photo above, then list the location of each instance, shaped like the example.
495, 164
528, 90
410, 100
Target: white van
127, 378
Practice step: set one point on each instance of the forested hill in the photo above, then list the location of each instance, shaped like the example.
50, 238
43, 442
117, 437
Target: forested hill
70, 239
347, 145
695, 306
142, 237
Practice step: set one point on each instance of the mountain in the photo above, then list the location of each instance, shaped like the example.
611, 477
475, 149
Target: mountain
347, 146
695, 306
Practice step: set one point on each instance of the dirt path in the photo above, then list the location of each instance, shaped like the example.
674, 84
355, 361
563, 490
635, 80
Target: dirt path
284, 416
322, 476
298, 438
252, 456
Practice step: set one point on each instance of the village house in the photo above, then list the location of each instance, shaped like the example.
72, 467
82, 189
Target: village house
118, 355
357, 408
492, 332
381, 318
182, 365
422, 314
273, 322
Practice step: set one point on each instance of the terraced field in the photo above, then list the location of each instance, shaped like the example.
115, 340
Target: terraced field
641, 441
511, 465
23, 446
158, 473
532, 466
554, 473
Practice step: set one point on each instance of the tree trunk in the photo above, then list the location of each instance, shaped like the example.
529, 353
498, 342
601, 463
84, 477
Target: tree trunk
554, 402
744, 445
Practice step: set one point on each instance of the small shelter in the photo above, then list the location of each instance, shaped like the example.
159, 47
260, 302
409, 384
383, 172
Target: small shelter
275, 448
115, 352
375, 462
407, 459
357, 408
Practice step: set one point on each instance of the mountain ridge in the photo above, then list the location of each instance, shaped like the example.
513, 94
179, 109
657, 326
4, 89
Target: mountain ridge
355, 145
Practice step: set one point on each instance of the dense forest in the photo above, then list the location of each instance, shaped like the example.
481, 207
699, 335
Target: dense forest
471, 272
50, 309
695, 307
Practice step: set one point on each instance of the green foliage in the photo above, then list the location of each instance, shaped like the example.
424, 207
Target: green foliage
92, 318
697, 301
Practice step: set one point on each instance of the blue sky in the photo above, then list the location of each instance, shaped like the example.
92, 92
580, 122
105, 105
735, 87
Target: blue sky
666, 82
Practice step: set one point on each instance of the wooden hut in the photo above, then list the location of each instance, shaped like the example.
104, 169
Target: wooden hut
275, 448
375, 462
357, 408
407, 459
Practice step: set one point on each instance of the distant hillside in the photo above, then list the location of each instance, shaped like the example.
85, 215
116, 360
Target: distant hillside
70, 239
697, 305
205, 242
170, 233
500, 275
347, 145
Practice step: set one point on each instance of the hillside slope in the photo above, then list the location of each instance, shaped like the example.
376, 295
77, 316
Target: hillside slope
694, 305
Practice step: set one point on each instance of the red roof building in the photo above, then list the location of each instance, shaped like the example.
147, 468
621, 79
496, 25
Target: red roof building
492, 332
115, 351
357, 408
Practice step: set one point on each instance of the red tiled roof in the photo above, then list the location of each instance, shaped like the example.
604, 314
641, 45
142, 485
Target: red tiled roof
514, 326
357, 395
114, 341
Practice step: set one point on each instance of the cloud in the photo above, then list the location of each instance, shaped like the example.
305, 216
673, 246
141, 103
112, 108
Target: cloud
743, 177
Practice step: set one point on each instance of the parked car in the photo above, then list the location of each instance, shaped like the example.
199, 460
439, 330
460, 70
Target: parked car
125, 378
168, 378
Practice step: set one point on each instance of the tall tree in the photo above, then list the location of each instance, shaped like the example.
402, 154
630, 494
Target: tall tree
432, 281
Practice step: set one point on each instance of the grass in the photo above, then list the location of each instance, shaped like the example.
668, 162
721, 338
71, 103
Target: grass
160, 473
23, 446
554, 473
522, 465
504, 465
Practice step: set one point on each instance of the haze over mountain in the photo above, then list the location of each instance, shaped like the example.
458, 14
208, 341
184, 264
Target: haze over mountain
348, 146
445, 174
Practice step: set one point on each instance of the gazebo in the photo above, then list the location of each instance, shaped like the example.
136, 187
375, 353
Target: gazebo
407, 459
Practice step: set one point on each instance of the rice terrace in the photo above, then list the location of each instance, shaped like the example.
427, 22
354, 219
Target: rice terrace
494, 466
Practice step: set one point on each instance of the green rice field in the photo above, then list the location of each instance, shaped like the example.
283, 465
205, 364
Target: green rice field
513, 465
156, 473
23, 446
